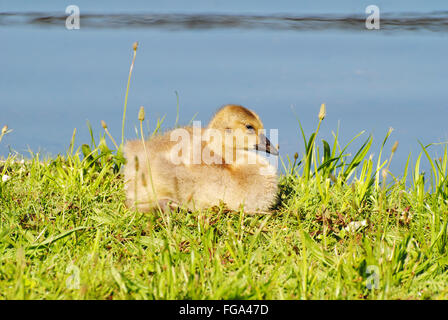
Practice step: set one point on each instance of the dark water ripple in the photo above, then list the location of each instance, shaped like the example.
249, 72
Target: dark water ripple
434, 21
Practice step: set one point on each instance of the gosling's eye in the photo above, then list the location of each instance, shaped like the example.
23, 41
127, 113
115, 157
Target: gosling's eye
249, 127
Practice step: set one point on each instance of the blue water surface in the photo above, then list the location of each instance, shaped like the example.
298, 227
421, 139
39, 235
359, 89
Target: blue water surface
53, 80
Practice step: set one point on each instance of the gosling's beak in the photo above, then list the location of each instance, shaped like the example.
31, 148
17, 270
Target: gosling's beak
265, 145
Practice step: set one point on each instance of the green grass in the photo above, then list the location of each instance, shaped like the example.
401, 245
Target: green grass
66, 234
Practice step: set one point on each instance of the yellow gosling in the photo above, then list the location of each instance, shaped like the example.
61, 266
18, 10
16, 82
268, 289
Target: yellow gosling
198, 168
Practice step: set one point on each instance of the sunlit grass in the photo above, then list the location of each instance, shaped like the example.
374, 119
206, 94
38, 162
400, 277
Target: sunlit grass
65, 233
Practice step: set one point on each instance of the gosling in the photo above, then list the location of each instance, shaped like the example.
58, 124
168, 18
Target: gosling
199, 168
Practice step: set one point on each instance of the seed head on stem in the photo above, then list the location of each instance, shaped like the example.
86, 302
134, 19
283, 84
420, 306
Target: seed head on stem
141, 114
136, 164
141, 118
394, 147
134, 48
104, 125
322, 112
4, 131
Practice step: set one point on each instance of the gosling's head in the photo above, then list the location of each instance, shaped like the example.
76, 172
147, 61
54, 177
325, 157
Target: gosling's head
242, 129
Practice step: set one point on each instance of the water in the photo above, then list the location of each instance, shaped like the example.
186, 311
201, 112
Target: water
282, 60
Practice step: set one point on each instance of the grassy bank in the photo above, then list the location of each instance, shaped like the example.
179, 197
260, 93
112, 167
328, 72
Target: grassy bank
343, 228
